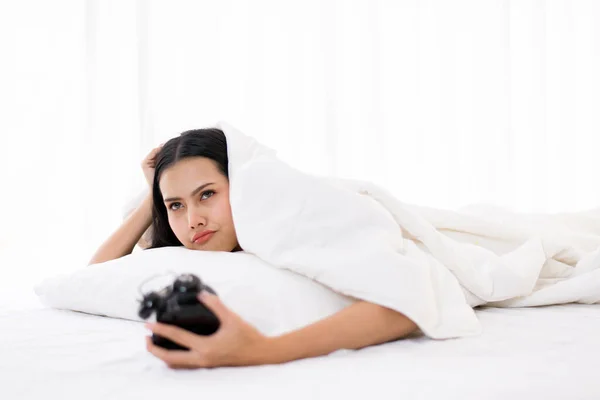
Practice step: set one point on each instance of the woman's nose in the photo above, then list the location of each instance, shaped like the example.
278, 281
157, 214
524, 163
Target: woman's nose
195, 219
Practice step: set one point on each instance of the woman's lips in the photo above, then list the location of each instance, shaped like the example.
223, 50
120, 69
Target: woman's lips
204, 238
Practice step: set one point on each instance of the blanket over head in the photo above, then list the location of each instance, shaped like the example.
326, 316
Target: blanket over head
432, 265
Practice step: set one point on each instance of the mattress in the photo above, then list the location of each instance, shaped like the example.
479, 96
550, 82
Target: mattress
535, 353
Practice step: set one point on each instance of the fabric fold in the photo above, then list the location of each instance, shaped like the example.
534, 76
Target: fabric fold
432, 265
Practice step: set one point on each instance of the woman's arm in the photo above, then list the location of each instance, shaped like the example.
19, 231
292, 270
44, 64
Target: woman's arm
356, 326
124, 239
238, 343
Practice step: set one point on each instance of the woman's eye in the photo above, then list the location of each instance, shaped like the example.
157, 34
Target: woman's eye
208, 191
171, 206
203, 197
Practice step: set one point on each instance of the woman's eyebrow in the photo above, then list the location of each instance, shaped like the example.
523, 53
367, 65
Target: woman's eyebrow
199, 188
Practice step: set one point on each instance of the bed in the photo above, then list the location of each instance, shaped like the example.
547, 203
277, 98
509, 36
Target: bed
544, 352
548, 352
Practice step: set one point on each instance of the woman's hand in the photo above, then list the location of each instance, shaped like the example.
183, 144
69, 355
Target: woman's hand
235, 343
149, 164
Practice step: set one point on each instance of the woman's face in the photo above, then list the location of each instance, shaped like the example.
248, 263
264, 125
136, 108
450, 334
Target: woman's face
196, 195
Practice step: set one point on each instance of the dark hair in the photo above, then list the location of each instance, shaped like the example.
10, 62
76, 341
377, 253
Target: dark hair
209, 143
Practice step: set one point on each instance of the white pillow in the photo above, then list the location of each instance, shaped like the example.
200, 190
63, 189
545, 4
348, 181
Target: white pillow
273, 300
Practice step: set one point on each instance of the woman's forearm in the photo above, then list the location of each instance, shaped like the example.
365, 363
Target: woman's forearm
358, 325
124, 239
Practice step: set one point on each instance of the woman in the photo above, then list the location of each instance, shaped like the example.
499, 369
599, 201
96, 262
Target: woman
189, 206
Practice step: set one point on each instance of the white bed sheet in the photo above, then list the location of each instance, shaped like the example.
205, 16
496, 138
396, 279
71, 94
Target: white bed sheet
536, 353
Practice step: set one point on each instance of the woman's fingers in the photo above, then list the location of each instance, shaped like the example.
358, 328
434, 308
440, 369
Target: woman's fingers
148, 164
215, 305
173, 358
150, 158
155, 150
153, 154
174, 333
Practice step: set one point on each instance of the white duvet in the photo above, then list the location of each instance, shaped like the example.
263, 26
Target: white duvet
432, 265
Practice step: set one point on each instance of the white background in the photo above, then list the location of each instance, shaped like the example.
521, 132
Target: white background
445, 103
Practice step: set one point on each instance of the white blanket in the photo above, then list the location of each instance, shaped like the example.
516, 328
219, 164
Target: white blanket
432, 265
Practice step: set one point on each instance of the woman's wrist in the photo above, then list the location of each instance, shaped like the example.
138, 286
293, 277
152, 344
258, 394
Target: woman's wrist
271, 350
146, 209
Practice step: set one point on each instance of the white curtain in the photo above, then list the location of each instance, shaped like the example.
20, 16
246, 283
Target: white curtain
444, 103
